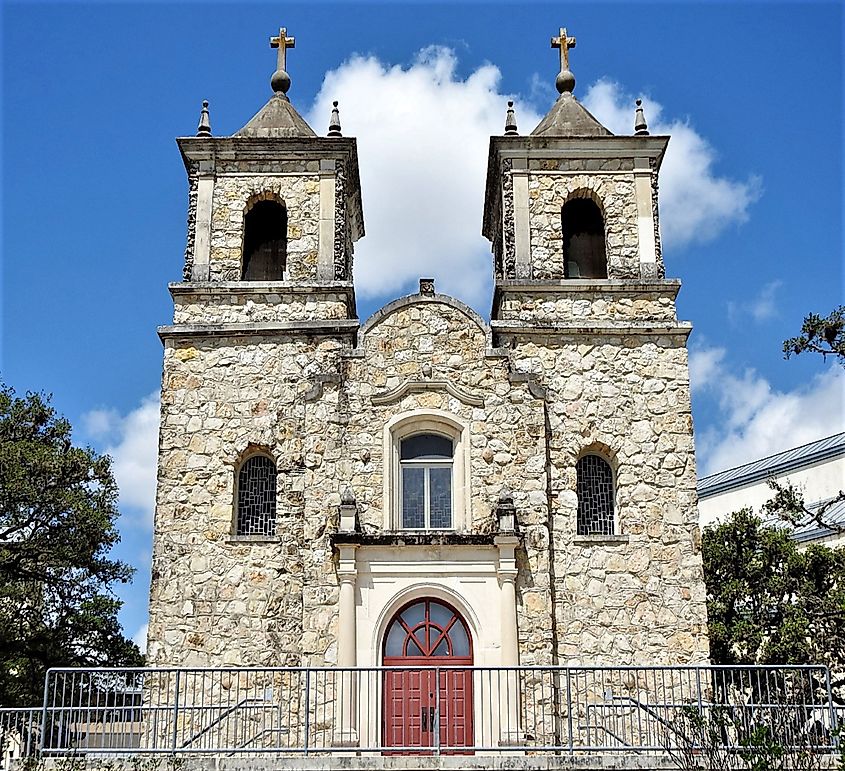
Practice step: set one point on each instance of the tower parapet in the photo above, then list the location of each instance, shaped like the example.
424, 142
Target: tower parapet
571, 204
274, 210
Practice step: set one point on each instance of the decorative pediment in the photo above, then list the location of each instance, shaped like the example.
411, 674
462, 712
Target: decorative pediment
418, 386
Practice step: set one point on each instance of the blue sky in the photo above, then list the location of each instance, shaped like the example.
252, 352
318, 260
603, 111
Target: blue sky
94, 193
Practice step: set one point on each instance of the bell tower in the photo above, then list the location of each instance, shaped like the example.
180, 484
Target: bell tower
273, 202
586, 316
571, 200
262, 317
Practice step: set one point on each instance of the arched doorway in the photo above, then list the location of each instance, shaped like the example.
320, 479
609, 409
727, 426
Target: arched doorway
419, 712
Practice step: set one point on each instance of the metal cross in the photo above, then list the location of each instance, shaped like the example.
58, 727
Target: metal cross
564, 43
282, 42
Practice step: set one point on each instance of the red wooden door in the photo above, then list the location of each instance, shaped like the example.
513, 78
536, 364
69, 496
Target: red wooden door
420, 713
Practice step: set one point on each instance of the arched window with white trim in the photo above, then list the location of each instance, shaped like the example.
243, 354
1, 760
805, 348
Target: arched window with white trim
426, 472
426, 464
255, 509
595, 490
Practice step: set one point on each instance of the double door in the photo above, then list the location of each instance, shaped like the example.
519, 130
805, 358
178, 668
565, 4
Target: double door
427, 705
422, 715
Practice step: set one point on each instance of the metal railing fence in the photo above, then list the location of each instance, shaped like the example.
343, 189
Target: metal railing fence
20, 733
295, 710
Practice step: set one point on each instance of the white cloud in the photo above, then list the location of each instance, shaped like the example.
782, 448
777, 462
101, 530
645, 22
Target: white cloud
764, 306
761, 307
423, 134
133, 446
100, 423
140, 637
704, 365
757, 420
696, 204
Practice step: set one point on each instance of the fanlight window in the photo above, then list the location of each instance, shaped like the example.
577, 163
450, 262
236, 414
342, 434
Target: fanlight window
595, 496
584, 253
256, 507
426, 462
265, 242
426, 629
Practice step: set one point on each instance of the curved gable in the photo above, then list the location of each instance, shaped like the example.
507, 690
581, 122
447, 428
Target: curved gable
427, 302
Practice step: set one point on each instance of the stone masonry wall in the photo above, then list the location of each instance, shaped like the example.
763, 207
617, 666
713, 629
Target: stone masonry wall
640, 598
216, 599
230, 306
549, 307
300, 193
614, 191
634, 599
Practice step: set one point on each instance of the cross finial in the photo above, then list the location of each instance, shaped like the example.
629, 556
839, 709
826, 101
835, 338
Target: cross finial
280, 81
282, 42
564, 43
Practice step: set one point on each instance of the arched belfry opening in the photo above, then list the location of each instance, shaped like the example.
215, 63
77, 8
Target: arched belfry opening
265, 241
584, 254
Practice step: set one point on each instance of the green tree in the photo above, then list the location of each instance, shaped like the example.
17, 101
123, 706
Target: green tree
770, 602
57, 524
820, 334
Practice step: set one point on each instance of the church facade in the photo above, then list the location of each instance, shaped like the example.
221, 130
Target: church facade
425, 486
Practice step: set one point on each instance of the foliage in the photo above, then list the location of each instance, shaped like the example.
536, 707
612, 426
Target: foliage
788, 505
820, 334
737, 736
57, 525
769, 602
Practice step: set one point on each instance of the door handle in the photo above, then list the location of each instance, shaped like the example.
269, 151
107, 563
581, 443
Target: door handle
427, 716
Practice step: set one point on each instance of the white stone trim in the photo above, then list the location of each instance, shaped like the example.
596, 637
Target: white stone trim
463, 576
202, 225
421, 591
417, 386
420, 421
521, 222
325, 244
645, 216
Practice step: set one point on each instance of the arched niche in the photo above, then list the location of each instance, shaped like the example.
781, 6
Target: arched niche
583, 226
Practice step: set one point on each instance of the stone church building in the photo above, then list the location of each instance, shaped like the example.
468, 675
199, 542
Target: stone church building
425, 486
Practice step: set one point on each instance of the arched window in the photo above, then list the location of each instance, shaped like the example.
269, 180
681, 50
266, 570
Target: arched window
265, 242
427, 629
425, 462
584, 253
256, 497
595, 496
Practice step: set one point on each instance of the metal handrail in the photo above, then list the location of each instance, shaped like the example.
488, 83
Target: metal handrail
346, 709
220, 718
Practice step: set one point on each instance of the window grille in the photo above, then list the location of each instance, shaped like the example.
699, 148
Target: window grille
595, 496
257, 497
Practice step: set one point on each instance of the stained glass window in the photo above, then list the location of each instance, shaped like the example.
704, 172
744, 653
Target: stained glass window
257, 497
426, 482
595, 496
427, 628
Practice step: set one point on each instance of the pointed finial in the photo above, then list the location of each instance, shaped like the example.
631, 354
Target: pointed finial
565, 81
334, 123
510, 122
280, 80
640, 127
204, 127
